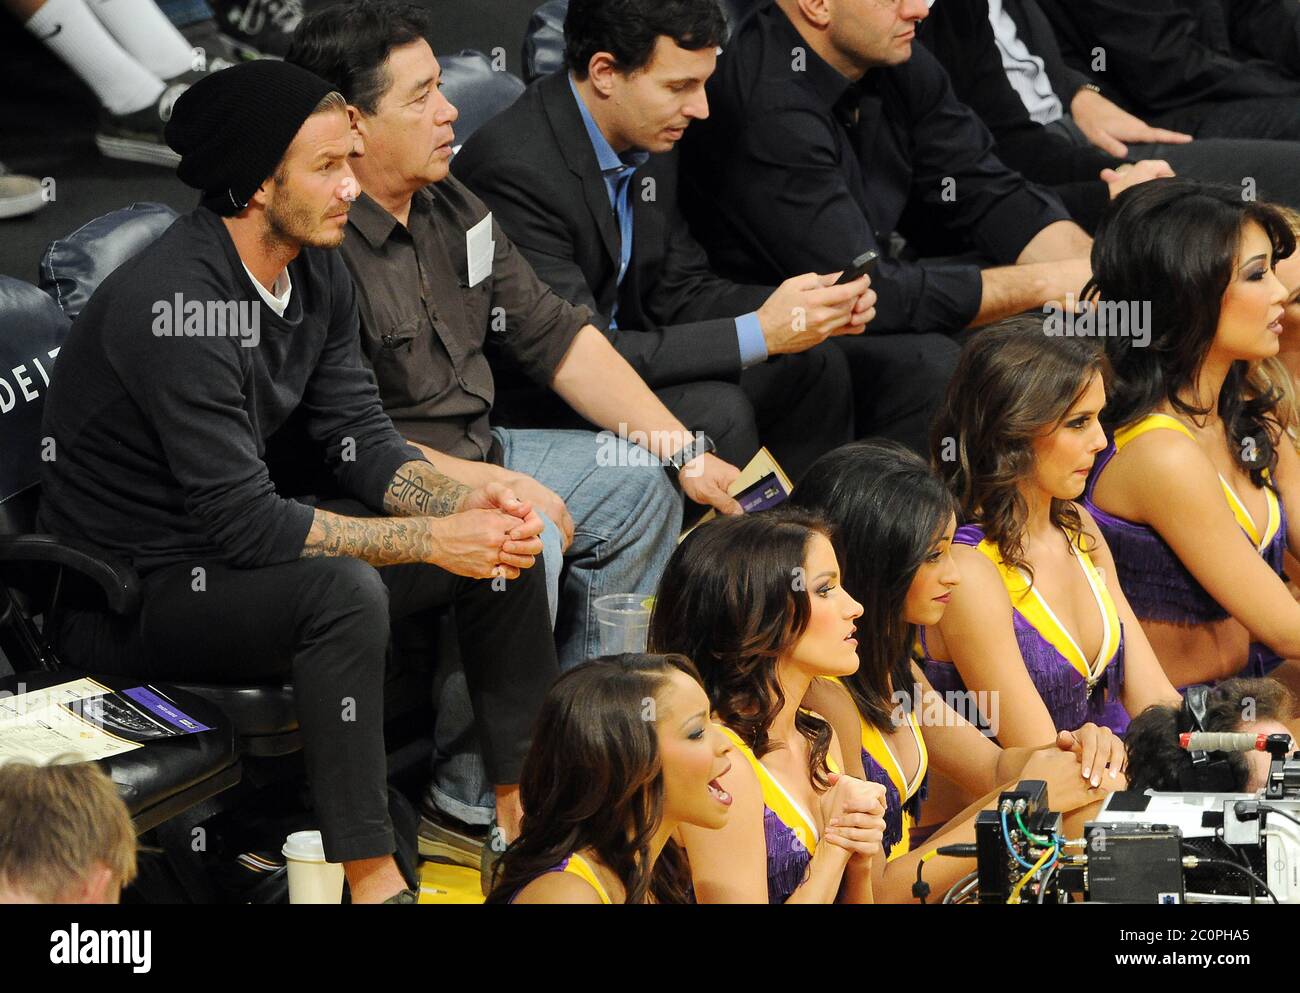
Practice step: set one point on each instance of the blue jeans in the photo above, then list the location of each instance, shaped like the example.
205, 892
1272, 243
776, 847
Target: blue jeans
626, 516
183, 13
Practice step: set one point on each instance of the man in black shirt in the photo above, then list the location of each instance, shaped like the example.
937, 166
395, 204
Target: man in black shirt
1211, 68
184, 364
825, 128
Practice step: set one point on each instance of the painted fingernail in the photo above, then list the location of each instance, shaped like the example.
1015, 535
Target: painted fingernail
1096, 780
1086, 770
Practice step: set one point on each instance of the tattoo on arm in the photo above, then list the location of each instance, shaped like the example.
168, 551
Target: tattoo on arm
420, 490
377, 540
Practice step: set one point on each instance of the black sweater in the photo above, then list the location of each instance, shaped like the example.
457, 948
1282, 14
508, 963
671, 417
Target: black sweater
160, 440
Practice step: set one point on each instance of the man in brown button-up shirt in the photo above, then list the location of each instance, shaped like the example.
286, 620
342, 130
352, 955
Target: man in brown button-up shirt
612, 513
424, 329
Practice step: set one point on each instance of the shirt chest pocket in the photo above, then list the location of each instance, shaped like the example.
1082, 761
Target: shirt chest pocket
402, 364
477, 301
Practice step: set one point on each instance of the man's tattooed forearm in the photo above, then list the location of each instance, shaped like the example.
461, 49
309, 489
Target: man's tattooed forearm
420, 490
377, 540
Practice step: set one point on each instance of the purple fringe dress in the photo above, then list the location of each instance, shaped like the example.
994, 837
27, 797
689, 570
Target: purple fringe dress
1063, 689
788, 858
1158, 586
894, 807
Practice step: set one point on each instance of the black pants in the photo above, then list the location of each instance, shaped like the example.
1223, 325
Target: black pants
899, 381
1228, 160
324, 624
1277, 118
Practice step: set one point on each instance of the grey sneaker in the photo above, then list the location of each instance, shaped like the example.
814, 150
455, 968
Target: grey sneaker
404, 896
444, 839
218, 50
19, 194
138, 136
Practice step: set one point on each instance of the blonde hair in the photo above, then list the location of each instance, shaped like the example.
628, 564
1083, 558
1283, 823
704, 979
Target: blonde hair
57, 822
1272, 373
333, 100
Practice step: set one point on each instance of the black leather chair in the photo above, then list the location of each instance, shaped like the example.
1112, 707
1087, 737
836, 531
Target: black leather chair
72, 267
543, 51
478, 91
161, 781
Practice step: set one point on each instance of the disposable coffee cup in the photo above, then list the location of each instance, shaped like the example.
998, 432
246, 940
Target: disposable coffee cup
624, 622
311, 878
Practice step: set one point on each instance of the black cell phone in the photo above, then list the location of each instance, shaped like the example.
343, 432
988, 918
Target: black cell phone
864, 263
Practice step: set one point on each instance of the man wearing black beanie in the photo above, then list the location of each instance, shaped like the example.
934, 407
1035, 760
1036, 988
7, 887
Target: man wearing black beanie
184, 368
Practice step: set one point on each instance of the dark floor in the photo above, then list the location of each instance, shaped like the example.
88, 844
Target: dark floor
47, 121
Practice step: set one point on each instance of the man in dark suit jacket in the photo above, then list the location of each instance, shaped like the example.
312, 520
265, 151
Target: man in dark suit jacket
580, 174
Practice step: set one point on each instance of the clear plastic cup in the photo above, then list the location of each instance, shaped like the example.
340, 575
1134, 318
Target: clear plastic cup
624, 620
311, 878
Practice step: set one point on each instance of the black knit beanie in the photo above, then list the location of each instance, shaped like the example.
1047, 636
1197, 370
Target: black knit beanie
232, 127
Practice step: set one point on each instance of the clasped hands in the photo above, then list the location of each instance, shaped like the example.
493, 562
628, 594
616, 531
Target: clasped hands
494, 535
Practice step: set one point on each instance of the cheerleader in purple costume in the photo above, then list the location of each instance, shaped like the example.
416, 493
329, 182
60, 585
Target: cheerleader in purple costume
623, 755
894, 522
756, 602
1194, 489
1039, 629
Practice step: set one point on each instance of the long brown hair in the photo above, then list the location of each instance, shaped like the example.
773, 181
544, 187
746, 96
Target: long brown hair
593, 779
731, 598
1014, 381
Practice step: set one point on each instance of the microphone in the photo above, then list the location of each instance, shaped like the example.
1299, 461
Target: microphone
1212, 741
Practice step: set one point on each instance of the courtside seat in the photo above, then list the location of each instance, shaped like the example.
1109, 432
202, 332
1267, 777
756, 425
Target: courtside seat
72, 267
162, 780
477, 90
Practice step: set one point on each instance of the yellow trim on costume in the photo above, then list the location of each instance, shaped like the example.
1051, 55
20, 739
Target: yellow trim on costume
1157, 422
580, 867
1034, 608
775, 796
878, 748
874, 744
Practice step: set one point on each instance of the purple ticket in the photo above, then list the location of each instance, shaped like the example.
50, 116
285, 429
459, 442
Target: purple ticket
159, 707
763, 495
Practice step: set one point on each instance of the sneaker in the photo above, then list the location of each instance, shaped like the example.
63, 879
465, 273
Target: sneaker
138, 136
218, 51
445, 839
267, 25
19, 195
404, 896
